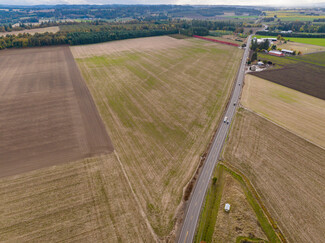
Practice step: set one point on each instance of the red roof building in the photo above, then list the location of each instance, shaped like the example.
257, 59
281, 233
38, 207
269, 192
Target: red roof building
276, 53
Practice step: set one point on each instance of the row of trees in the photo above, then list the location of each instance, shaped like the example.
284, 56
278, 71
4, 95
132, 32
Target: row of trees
298, 26
101, 31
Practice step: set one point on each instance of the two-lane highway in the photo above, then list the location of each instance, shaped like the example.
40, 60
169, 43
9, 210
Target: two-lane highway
198, 194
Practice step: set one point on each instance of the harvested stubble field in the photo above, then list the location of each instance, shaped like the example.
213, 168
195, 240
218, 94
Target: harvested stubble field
52, 29
306, 78
83, 201
302, 114
47, 114
161, 99
287, 171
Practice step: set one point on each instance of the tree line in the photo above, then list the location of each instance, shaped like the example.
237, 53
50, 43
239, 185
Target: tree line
101, 31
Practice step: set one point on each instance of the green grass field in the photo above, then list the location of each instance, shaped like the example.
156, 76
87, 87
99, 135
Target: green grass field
314, 58
292, 15
310, 41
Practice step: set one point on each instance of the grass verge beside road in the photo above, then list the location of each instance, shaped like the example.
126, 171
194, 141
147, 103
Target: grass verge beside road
226, 230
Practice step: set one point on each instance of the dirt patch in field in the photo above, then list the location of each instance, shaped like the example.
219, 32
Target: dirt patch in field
138, 44
287, 172
52, 29
300, 113
241, 220
47, 115
306, 78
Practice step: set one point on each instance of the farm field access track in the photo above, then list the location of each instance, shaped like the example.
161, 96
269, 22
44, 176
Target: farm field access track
47, 115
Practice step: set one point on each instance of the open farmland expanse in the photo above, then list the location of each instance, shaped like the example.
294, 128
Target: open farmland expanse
161, 103
52, 29
47, 115
287, 171
306, 78
302, 114
83, 201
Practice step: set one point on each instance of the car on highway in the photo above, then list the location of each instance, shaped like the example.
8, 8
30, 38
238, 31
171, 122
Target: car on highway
225, 120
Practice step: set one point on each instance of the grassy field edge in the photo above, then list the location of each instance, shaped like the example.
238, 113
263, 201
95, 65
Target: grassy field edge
209, 214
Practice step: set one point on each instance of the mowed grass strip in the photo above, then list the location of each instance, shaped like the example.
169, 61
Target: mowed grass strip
245, 218
83, 201
300, 113
287, 172
161, 108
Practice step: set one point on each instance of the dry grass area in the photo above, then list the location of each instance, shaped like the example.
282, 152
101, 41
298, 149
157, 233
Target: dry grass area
304, 48
83, 201
52, 29
287, 171
118, 47
241, 220
161, 106
47, 114
300, 113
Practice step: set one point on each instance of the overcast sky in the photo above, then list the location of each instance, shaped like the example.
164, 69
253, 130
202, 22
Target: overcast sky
182, 2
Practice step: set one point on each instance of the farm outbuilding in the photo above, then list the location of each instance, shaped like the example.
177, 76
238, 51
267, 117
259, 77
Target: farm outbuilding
276, 53
284, 51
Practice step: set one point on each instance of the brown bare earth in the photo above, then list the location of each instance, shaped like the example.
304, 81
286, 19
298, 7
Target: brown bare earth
84, 201
241, 220
300, 113
161, 99
52, 29
306, 78
286, 170
47, 115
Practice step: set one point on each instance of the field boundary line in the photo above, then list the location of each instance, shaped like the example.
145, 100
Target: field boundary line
317, 145
136, 198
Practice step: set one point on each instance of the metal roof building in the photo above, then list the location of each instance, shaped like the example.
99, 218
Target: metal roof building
276, 53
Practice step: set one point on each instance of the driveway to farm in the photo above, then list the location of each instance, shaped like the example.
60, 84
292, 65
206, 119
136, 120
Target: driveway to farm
198, 194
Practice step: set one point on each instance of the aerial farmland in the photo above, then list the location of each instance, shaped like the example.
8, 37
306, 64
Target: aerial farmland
161, 123
158, 102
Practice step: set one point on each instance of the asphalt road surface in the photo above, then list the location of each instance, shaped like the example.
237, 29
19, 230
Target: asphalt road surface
198, 194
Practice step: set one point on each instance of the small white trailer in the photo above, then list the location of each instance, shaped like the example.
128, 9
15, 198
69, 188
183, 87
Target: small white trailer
227, 207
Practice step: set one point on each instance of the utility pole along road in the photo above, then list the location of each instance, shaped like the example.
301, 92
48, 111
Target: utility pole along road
198, 194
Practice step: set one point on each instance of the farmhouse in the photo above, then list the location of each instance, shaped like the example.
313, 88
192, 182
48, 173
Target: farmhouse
276, 53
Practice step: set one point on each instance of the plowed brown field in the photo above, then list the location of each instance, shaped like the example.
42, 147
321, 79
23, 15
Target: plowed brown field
47, 115
287, 171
